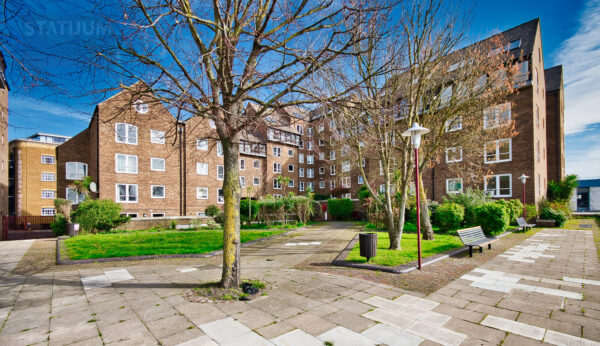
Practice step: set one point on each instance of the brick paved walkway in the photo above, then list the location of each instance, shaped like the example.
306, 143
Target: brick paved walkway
544, 289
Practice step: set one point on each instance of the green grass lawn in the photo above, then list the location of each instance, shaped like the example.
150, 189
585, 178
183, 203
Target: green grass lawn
140, 244
408, 253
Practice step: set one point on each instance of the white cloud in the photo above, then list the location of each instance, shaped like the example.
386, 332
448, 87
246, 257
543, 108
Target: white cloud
580, 57
37, 110
583, 154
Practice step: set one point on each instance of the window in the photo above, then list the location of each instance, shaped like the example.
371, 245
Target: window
301, 144
360, 180
309, 145
332, 184
321, 142
157, 137
290, 168
126, 133
309, 131
201, 214
332, 124
346, 166
76, 170
453, 155
256, 181
202, 193
291, 183
256, 164
454, 124
537, 116
212, 124
332, 155
140, 107
321, 170
220, 172
363, 162
498, 115
537, 151
276, 167
291, 152
220, 196
158, 214
157, 164
311, 186
310, 173
513, 44
539, 185
158, 191
321, 156
301, 158
132, 215
382, 188
346, 182
48, 211
74, 196
497, 151
454, 185
277, 151
301, 172
242, 164
276, 184
321, 184
321, 127
242, 181
48, 194
300, 129
48, 177
301, 186
48, 159
219, 149
202, 144
310, 159
345, 150
332, 170
127, 193
380, 168
126, 163
499, 185
202, 168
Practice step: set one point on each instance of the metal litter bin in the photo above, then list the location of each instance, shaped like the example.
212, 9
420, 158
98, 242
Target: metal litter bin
368, 245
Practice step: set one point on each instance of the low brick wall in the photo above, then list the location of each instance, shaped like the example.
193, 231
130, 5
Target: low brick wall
164, 222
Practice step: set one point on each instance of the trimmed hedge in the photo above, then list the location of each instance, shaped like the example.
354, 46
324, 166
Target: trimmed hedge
449, 216
340, 209
492, 217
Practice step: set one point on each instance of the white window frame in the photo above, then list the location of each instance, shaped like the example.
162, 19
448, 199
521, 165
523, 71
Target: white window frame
256, 181
164, 189
497, 144
242, 181
48, 174
360, 180
290, 152
76, 176
219, 149
157, 137
321, 185
51, 157
332, 155
127, 196
310, 159
311, 185
152, 159
220, 175
202, 144
491, 116
449, 181
126, 139
346, 182
301, 172
310, 173
201, 168
321, 170
321, 156
321, 128
157, 214
291, 183
321, 142
332, 170
141, 107
346, 166
126, 157
290, 168
212, 124
453, 121
454, 149
48, 194
276, 184
309, 145
300, 129
199, 191
256, 164
277, 151
276, 167
80, 196
495, 193
301, 186
47, 211
242, 164
220, 199
301, 158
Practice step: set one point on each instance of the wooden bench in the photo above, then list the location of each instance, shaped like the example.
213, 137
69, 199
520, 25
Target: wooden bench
474, 237
524, 225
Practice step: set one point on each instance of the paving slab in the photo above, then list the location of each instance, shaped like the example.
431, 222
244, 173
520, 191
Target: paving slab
514, 327
296, 337
225, 330
392, 336
343, 336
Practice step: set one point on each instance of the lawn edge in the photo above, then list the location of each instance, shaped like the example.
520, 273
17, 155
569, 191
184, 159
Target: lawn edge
340, 260
60, 261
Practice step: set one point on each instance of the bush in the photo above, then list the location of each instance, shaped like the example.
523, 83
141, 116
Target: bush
271, 209
433, 207
363, 193
303, 208
514, 209
552, 214
212, 210
492, 217
220, 218
531, 211
321, 197
246, 204
449, 216
59, 225
340, 209
211, 224
561, 191
98, 215
470, 200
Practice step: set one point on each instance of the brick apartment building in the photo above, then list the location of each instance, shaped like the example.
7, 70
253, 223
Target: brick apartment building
142, 157
4, 89
32, 174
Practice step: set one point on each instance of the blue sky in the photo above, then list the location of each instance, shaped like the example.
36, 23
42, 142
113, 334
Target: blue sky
570, 36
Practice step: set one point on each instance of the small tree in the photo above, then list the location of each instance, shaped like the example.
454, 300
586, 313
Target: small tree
562, 191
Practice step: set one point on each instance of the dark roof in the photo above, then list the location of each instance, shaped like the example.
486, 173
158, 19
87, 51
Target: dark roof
588, 183
526, 33
554, 78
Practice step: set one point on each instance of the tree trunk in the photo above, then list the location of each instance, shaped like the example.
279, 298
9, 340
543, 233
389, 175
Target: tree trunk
426, 226
231, 226
389, 219
396, 235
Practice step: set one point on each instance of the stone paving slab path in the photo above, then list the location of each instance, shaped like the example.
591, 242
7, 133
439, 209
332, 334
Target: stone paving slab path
543, 290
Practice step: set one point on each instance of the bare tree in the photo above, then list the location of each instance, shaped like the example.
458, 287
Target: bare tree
209, 59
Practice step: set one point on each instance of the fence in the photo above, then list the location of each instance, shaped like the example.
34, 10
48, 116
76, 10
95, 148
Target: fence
26, 227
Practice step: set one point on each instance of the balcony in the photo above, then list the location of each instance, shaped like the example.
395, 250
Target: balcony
254, 149
283, 136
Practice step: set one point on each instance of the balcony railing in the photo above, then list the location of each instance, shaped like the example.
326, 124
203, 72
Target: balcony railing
283, 136
255, 149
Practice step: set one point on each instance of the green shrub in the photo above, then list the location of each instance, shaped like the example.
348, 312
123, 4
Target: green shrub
449, 216
470, 200
303, 208
271, 209
514, 209
173, 224
321, 197
492, 217
98, 215
552, 214
561, 191
340, 209
433, 207
212, 210
246, 204
59, 225
220, 218
363, 193
211, 224
531, 211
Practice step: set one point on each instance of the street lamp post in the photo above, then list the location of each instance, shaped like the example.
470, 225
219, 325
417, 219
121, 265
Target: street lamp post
415, 133
523, 179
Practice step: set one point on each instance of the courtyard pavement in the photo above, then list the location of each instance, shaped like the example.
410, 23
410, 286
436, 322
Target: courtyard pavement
544, 290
